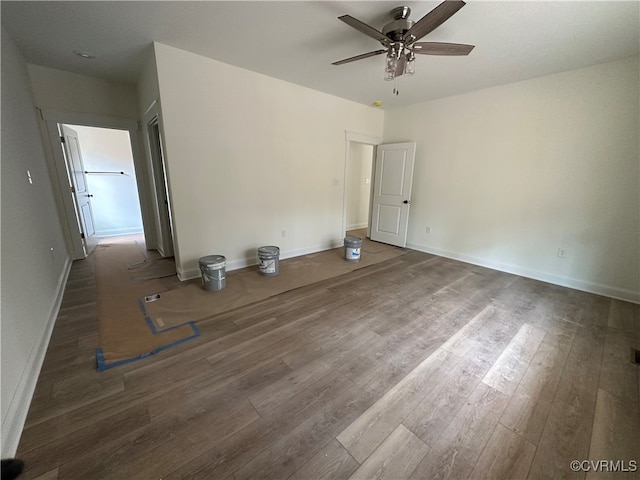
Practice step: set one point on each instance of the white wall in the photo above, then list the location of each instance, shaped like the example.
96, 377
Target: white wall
249, 156
115, 204
35, 262
72, 92
147, 88
508, 175
359, 184
148, 95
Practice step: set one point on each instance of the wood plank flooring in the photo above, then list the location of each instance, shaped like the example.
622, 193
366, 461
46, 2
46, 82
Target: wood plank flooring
417, 368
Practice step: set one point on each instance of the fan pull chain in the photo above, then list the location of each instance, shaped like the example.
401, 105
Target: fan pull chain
396, 81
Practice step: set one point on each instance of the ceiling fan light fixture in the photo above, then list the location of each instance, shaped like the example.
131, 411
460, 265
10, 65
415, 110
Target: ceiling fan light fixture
391, 63
410, 64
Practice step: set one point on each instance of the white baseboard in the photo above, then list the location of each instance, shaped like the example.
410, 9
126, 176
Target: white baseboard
357, 226
606, 290
184, 275
19, 407
116, 232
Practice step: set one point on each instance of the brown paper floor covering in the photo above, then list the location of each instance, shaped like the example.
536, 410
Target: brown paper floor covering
124, 333
152, 268
192, 303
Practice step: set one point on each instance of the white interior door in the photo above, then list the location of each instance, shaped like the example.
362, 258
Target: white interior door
82, 197
392, 192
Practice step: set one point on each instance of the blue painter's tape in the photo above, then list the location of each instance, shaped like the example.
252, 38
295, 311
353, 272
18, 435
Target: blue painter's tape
102, 365
141, 304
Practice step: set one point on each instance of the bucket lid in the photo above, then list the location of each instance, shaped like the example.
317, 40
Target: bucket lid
213, 261
353, 240
269, 250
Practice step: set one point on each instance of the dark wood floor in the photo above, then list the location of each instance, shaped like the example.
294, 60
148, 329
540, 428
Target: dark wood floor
421, 367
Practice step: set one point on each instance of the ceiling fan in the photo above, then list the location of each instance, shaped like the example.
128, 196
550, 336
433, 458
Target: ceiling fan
399, 39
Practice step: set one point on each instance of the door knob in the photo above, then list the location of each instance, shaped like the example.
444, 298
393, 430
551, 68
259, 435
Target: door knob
90, 195
406, 202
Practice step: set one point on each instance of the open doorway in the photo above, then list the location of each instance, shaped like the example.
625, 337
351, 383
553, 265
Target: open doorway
390, 181
110, 179
75, 188
152, 134
102, 180
358, 188
358, 183
165, 235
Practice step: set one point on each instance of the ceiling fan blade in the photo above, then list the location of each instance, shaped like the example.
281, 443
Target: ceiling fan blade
364, 28
441, 48
359, 57
433, 20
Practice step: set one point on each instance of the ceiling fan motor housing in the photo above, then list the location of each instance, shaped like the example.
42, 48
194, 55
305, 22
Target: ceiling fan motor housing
400, 25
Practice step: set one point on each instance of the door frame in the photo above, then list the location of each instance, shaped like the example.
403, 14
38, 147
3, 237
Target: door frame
49, 121
367, 140
165, 229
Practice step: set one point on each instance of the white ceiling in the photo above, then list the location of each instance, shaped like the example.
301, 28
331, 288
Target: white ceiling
297, 41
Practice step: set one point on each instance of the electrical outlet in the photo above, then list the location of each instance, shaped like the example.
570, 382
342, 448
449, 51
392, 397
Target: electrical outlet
29, 177
428, 229
562, 253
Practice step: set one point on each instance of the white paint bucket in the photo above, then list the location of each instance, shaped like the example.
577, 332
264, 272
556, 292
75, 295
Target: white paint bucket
269, 260
352, 247
213, 269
